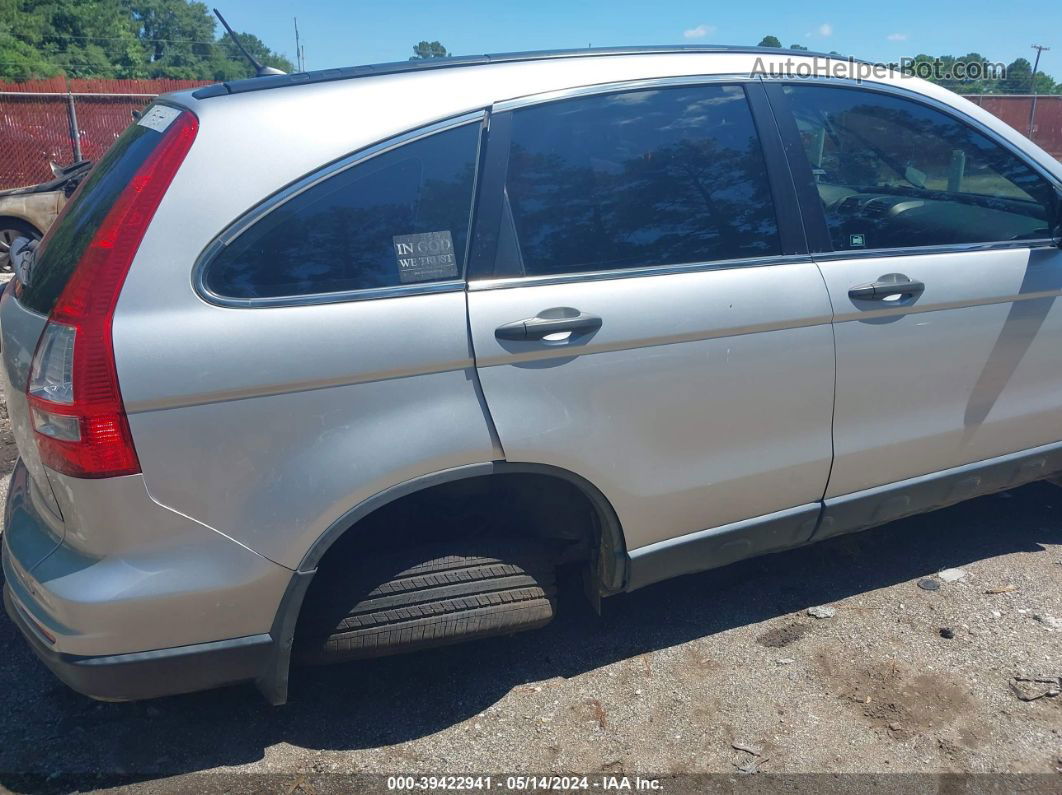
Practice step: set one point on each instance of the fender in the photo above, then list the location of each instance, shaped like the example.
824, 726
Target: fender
611, 564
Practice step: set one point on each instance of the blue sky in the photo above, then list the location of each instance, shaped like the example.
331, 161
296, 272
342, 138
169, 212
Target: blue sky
339, 33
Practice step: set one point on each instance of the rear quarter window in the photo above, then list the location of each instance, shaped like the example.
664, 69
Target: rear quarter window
398, 218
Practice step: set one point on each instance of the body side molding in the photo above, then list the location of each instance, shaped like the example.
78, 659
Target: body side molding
861, 510
720, 546
849, 513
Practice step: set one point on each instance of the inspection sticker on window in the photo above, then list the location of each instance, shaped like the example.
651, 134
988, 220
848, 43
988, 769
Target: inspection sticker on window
425, 257
159, 117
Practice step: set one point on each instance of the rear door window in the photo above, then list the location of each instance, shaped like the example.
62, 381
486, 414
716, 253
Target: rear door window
895, 173
399, 218
634, 179
61, 250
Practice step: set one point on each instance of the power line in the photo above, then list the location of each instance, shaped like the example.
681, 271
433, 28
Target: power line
132, 36
64, 63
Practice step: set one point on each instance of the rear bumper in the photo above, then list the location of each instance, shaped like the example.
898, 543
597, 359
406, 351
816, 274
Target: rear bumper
149, 674
137, 601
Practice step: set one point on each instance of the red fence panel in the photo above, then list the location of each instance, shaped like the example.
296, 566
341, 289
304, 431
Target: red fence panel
33, 130
101, 119
63, 85
36, 121
1014, 110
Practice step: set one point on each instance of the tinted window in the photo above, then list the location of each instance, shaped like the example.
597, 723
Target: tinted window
892, 173
61, 249
652, 177
398, 218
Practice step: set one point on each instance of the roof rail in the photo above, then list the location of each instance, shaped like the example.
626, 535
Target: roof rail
450, 62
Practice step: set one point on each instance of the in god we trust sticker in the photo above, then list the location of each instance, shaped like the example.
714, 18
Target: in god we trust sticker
425, 257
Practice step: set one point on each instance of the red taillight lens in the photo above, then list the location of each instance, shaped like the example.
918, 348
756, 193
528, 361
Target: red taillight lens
75, 400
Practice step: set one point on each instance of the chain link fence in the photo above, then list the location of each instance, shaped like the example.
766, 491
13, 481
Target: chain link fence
1036, 117
66, 121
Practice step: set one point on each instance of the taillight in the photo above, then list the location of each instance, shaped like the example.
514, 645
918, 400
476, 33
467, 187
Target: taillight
75, 402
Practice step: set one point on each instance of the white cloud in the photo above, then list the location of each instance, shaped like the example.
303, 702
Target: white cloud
897, 37
699, 32
825, 29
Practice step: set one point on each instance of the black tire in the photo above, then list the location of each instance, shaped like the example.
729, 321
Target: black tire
11, 228
390, 603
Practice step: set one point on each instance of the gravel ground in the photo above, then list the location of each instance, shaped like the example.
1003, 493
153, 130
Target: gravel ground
668, 681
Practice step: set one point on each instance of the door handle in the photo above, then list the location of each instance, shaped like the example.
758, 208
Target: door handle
889, 284
550, 321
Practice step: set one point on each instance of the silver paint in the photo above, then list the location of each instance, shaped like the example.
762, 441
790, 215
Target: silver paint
672, 406
704, 400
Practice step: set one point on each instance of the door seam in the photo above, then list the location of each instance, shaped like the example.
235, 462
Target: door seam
492, 429
833, 407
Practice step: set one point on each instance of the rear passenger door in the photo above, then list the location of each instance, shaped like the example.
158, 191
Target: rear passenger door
643, 316
938, 255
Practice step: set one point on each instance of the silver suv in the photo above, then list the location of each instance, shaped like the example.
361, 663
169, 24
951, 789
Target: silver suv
349, 363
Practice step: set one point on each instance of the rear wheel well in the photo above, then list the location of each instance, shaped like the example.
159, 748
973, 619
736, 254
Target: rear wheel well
566, 512
14, 221
456, 561
518, 505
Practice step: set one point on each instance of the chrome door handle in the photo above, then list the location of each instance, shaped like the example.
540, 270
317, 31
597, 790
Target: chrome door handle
550, 321
889, 284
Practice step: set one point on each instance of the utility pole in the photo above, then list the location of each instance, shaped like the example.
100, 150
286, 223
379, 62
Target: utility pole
1036, 64
298, 49
74, 127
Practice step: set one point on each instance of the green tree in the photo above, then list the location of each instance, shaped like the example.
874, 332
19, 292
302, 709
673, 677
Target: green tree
769, 41
178, 37
229, 58
90, 38
121, 38
1019, 80
797, 47
19, 59
428, 49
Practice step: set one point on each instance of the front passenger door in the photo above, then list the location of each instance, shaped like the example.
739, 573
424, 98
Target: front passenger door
945, 284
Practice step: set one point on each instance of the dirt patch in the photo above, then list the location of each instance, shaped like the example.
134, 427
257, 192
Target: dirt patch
894, 697
782, 636
592, 709
698, 663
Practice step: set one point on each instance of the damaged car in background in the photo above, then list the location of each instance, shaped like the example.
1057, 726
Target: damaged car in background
27, 212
